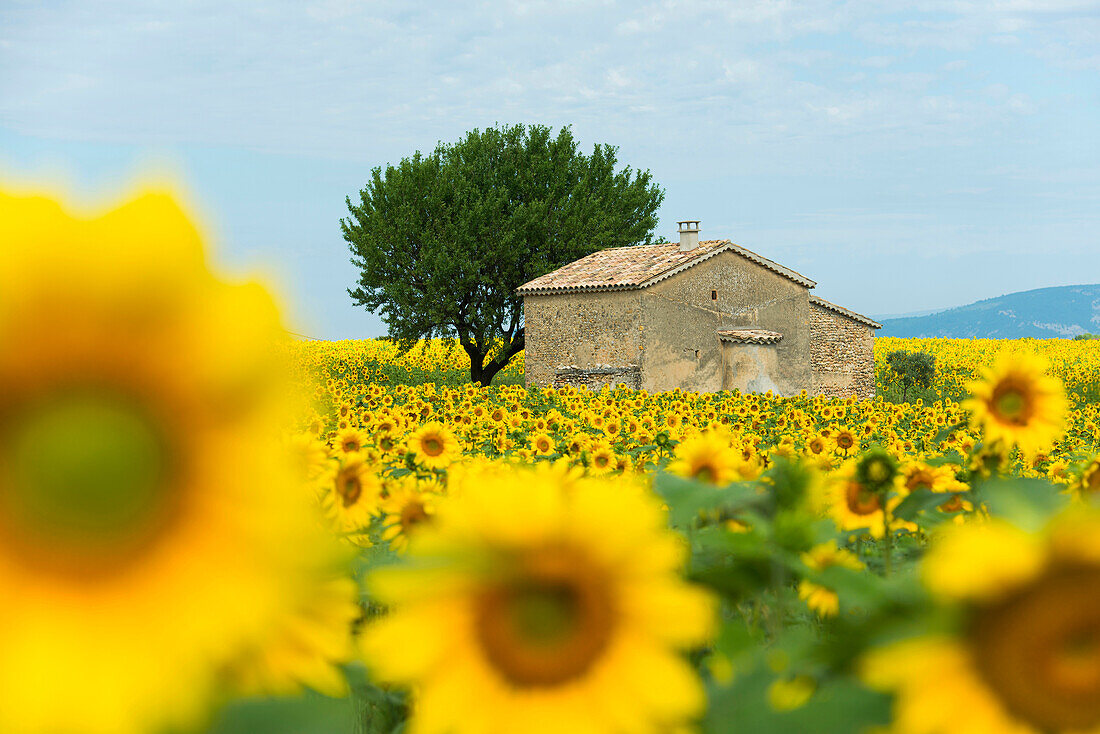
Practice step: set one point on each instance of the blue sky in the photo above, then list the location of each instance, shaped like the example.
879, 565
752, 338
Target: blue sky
905, 155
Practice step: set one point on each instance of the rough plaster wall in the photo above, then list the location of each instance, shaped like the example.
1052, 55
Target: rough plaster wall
750, 367
842, 355
582, 329
681, 320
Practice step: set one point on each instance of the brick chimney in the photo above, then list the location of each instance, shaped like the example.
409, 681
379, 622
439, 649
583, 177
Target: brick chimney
689, 234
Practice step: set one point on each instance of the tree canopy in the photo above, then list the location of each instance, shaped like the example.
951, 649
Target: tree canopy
442, 241
914, 369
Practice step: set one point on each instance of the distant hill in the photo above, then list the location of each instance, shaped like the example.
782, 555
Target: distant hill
1044, 313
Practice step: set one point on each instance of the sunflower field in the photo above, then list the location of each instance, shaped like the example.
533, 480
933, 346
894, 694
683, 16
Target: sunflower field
205, 526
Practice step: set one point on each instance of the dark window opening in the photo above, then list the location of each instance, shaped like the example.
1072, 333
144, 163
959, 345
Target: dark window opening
714, 295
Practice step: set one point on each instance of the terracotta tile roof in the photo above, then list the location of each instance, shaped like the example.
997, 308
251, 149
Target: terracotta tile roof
630, 268
749, 336
818, 301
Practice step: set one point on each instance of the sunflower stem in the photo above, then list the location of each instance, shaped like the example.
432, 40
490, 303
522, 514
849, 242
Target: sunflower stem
888, 541
779, 582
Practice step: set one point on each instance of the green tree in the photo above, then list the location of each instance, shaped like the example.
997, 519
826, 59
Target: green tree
442, 241
914, 369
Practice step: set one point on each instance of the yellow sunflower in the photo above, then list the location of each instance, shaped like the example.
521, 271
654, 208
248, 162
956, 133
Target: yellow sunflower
542, 444
528, 611
601, 458
854, 505
1017, 402
151, 523
1026, 655
707, 457
845, 440
350, 440
819, 448
435, 445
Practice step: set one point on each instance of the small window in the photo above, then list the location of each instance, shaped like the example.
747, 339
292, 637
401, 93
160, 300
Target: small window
714, 295
697, 354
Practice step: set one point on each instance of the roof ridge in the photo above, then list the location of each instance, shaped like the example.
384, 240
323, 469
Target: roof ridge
674, 268
665, 261
728, 244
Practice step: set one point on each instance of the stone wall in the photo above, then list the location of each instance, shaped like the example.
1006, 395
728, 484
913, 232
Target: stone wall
585, 330
841, 354
598, 377
684, 313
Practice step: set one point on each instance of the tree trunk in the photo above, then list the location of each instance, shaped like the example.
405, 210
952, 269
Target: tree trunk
477, 360
484, 373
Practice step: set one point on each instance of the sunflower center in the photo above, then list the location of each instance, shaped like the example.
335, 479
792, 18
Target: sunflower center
861, 499
953, 505
432, 446
350, 489
83, 480
920, 480
1040, 650
1092, 480
412, 514
1010, 404
549, 622
878, 471
706, 473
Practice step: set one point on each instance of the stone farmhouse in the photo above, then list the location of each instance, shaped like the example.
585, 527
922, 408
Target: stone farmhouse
696, 315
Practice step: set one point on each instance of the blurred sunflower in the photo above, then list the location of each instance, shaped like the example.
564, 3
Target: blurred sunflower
527, 611
915, 475
707, 457
854, 505
152, 525
1017, 402
1087, 483
405, 510
819, 598
354, 491
307, 647
309, 455
1026, 654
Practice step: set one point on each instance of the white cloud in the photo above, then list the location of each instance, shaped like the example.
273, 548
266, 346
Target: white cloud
347, 79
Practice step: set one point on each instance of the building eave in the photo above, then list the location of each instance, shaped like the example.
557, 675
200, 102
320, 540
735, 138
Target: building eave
829, 306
